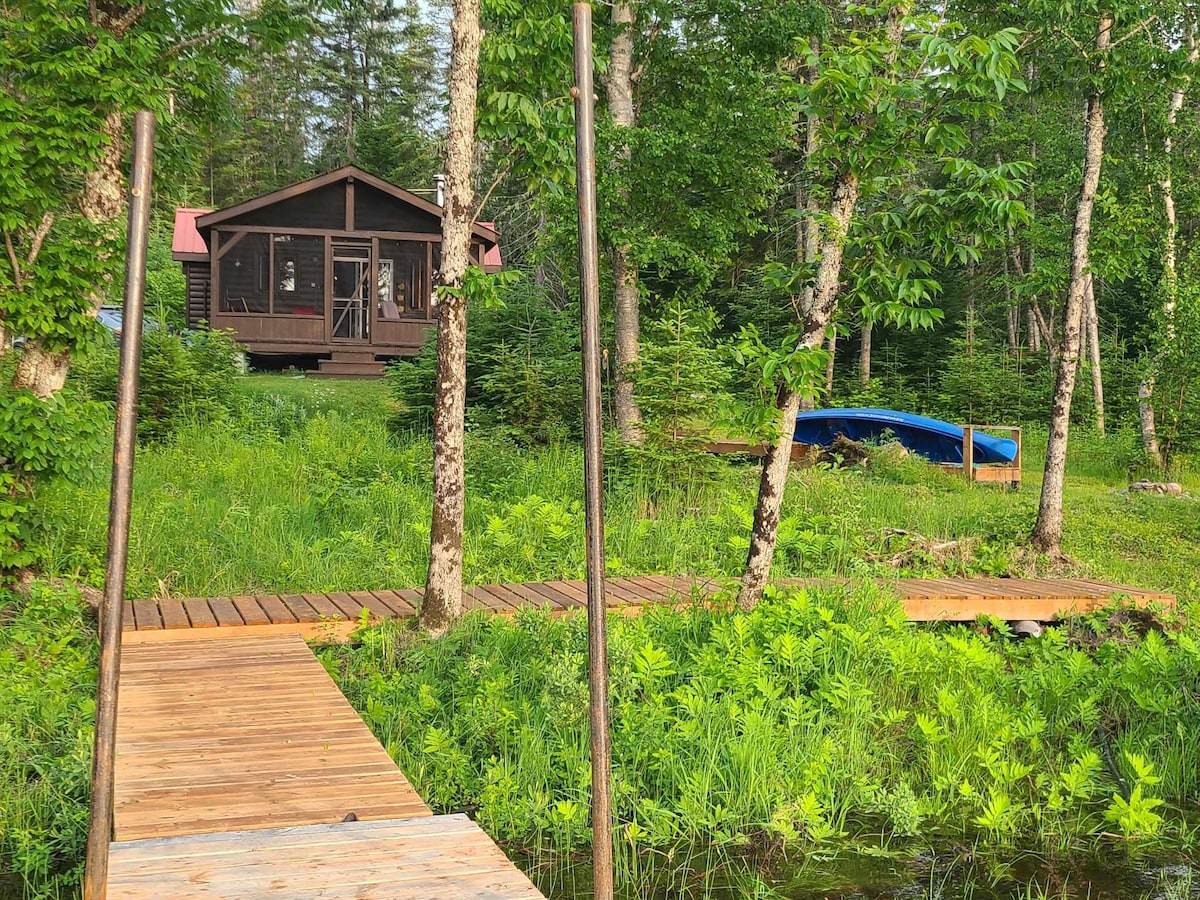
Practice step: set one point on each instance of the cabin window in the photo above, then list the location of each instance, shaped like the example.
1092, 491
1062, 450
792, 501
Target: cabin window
403, 280
245, 266
299, 277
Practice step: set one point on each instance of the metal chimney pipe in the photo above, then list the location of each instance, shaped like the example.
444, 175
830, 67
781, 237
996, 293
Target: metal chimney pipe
439, 181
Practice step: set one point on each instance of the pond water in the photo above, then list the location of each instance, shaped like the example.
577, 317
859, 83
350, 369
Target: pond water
924, 876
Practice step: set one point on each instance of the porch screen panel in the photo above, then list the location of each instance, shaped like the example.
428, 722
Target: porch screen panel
245, 276
299, 275
404, 280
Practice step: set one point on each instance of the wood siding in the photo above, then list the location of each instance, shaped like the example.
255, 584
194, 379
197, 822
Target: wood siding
198, 278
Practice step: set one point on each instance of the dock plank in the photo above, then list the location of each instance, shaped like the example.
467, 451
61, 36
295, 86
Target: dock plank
336, 614
402, 859
247, 710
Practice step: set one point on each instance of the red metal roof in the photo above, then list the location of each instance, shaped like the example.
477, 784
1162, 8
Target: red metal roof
186, 238
491, 256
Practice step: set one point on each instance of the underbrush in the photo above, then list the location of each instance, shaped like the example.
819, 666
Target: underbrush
816, 723
47, 689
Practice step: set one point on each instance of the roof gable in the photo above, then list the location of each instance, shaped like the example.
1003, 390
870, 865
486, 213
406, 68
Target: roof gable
313, 188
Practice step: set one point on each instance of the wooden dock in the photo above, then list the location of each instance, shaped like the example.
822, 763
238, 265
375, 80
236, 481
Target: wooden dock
334, 616
242, 771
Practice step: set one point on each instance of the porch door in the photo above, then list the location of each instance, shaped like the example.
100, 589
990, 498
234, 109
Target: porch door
351, 313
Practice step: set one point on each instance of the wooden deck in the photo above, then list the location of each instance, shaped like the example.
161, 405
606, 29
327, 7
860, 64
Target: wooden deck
333, 616
238, 762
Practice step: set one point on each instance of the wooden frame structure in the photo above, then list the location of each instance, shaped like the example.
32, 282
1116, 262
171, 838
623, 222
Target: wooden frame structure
1008, 474
341, 265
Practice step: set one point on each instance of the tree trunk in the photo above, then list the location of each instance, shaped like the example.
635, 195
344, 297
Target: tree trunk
1146, 418
773, 481
1012, 315
1170, 285
1048, 530
971, 303
1035, 333
831, 349
102, 202
807, 230
442, 603
1093, 341
864, 356
626, 307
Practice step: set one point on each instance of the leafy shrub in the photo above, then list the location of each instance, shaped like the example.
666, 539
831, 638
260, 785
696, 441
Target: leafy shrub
811, 721
166, 286
523, 373
47, 683
183, 379
39, 439
411, 384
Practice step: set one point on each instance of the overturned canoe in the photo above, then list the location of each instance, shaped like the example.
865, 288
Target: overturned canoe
937, 441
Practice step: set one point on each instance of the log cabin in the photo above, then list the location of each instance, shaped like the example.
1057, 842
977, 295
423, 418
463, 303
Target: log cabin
337, 270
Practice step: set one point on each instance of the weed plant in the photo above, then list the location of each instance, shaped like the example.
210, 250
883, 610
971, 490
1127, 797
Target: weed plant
47, 685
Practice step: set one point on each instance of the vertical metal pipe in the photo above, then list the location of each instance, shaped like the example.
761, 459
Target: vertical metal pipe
104, 751
593, 453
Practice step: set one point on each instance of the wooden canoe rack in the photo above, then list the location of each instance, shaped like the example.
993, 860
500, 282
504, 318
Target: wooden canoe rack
1008, 474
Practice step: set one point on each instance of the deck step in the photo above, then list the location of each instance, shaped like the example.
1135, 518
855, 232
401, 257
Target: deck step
335, 368
339, 356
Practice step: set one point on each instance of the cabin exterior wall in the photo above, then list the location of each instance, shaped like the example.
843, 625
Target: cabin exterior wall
341, 262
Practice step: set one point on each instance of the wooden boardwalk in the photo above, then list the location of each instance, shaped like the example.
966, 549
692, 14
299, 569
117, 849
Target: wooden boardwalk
242, 771
238, 764
334, 616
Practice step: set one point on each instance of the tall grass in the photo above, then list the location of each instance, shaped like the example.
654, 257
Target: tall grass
299, 494
47, 682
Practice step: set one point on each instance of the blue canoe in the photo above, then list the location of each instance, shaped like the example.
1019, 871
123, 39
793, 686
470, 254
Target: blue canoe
937, 441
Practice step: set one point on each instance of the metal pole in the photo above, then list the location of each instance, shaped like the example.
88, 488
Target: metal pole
101, 814
593, 454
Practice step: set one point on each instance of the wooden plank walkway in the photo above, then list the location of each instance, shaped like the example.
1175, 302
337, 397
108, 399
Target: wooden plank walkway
333, 616
238, 762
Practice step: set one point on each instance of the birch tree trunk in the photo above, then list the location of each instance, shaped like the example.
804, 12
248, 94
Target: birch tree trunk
1047, 531
817, 317
442, 603
831, 349
864, 355
1170, 284
807, 230
1093, 342
971, 305
626, 307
